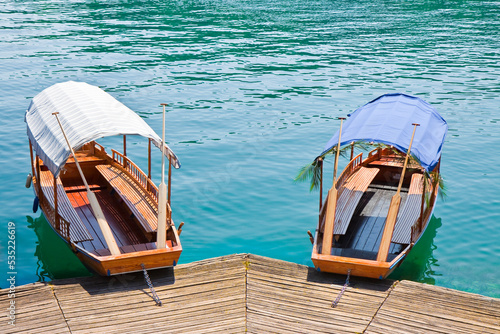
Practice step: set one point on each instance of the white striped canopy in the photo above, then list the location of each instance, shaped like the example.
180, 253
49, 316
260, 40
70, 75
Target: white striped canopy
87, 113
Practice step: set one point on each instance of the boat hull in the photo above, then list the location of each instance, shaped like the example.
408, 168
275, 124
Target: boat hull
131, 262
367, 266
94, 256
357, 267
124, 263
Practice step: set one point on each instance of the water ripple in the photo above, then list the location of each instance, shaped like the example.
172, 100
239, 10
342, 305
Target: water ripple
254, 88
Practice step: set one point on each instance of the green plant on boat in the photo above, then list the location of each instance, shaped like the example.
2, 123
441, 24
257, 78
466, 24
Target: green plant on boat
312, 171
435, 179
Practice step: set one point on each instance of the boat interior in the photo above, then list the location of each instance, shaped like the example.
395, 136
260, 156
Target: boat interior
363, 203
363, 236
130, 210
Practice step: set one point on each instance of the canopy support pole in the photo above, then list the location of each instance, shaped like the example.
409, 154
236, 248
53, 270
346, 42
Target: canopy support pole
149, 158
32, 160
320, 162
38, 178
96, 208
124, 145
169, 177
422, 205
338, 152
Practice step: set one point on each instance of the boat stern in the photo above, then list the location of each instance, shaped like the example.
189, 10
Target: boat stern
131, 262
357, 267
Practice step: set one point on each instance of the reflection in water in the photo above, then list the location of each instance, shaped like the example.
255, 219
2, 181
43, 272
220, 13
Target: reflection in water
419, 262
55, 258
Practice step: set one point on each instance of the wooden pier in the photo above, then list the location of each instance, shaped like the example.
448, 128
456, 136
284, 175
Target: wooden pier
245, 293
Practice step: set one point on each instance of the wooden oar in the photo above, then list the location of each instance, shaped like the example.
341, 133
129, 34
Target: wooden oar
161, 233
392, 215
326, 248
96, 208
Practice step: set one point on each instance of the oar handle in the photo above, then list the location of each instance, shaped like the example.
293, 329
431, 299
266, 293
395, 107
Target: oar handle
406, 159
94, 204
331, 205
163, 144
392, 215
71, 150
338, 152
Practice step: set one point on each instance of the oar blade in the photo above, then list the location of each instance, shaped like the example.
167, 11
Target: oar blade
103, 224
390, 222
161, 234
94, 204
326, 248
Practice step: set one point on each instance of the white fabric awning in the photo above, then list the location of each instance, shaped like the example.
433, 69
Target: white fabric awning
87, 113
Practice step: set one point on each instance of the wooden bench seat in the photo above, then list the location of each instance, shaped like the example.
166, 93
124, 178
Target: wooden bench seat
393, 160
410, 212
132, 195
349, 197
77, 230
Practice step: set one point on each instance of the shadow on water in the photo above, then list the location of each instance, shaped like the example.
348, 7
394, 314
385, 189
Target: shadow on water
418, 265
55, 258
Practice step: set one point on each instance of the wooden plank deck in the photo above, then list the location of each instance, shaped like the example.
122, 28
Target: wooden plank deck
245, 293
78, 232
368, 224
124, 229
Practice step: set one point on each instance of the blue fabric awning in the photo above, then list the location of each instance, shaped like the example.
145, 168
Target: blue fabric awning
388, 119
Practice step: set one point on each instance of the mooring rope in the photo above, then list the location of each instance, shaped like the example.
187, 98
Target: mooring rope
151, 287
336, 301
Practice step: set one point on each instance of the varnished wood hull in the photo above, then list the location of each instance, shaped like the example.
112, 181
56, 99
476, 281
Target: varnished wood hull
137, 243
357, 267
367, 266
125, 263
131, 262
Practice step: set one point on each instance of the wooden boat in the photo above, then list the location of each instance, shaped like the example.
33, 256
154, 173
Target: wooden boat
103, 205
379, 206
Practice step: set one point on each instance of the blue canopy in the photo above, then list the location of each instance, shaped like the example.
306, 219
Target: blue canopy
388, 119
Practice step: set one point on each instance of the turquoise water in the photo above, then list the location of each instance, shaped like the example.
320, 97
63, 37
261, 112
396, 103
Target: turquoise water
254, 89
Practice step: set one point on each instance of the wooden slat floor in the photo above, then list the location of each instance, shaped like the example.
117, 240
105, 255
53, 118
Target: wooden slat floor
245, 293
367, 226
124, 229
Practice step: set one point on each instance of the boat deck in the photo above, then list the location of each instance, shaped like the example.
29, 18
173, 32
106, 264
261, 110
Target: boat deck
124, 229
246, 294
363, 237
130, 229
